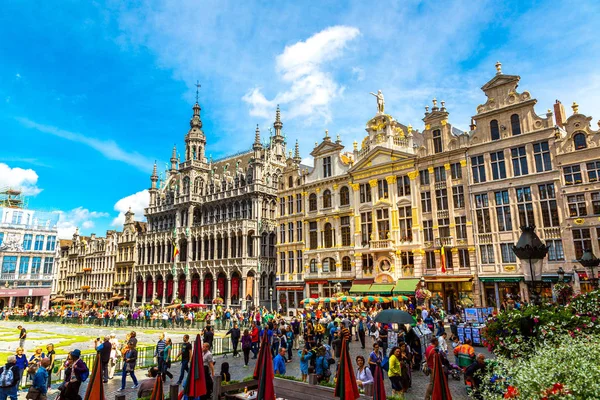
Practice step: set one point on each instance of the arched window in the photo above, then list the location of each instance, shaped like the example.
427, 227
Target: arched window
328, 233
346, 266
312, 202
579, 141
327, 199
515, 124
494, 130
313, 265
344, 196
329, 265
290, 181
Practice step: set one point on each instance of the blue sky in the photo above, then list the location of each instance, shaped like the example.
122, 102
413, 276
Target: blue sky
91, 93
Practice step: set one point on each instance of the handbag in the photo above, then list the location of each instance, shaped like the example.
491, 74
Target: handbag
33, 393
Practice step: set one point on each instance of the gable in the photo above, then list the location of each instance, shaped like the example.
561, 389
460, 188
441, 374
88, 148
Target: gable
500, 80
326, 147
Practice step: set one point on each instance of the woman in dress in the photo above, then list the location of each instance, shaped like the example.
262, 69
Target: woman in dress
364, 378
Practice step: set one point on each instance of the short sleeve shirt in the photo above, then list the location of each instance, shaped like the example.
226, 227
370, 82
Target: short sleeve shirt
207, 358
185, 351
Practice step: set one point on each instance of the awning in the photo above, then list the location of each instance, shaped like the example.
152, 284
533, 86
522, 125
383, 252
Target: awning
554, 278
360, 288
322, 282
406, 286
448, 278
500, 278
583, 276
381, 288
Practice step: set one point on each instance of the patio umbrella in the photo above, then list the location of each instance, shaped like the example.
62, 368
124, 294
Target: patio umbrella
173, 306
95, 387
157, 391
345, 381
195, 305
378, 384
441, 391
309, 301
368, 299
266, 375
393, 316
262, 353
195, 385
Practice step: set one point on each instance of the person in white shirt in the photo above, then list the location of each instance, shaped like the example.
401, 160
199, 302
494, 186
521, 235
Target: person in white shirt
443, 345
364, 377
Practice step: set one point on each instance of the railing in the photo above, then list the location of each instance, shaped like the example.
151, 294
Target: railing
551, 233
485, 238
381, 244
443, 214
440, 185
400, 142
444, 241
8, 277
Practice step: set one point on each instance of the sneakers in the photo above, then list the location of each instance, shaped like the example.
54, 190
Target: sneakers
135, 386
120, 389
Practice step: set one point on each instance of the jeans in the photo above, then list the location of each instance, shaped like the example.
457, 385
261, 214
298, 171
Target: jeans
289, 350
255, 348
104, 370
246, 355
185, 366
235, 342
9, 392
124, 377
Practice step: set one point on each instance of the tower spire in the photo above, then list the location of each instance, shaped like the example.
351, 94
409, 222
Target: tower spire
257, 145
297, 158
277, 124
174, 158
196, 122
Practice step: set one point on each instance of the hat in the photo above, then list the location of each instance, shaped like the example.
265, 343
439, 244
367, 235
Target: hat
76, 353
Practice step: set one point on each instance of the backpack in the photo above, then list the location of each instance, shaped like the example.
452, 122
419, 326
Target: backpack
7, 378
326, 370
85, 374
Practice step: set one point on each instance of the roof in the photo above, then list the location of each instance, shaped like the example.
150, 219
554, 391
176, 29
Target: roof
141, 227
65, 243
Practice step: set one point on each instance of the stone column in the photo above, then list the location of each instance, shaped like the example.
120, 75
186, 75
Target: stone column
243, 294
201, 299
244, 246
188, 289
164, 296
190, 216
215, 294
143, 291
228, 303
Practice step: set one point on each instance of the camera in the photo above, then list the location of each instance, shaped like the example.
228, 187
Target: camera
97, 339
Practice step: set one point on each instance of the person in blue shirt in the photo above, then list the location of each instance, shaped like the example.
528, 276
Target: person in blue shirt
279, 362
40, 379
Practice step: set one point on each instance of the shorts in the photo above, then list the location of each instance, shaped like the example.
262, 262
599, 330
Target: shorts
396, 383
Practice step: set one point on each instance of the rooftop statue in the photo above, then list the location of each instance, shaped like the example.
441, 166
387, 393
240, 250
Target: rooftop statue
380, 101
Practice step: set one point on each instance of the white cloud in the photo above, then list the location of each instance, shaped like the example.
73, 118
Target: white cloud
19, 178
18, 76
81, 217
107, 148
303, 66
137, 202
308, 161
359, 73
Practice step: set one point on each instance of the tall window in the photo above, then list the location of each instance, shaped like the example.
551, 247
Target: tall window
16, 217
367, 262
508, 255
577, 206
405, 222
428, 231
365, 193
519, 161
426, 202
424, 177
555, 250
441, 199
9, 264
366, 226
503, 211
298, 202
328, 265
439, 174
48, 264
430, 259
299, 233
408, 258
290, 182
494, 130
483, 213
403, 185
36, 264
437, 141
313, 265
39, 242
579, 141
582, 241
298, 261
525, 206
487, 253
312, 202
346, 264
596, 204
345, 226
312, 227
291, 232
282, 206
24, 265
344, 196
327, 199
51, 243
478, 169
572, 175
291, 262
541, 154
461, 227
444, 227
456, 171
282, 233
1, 237
328, 235
458, 196
498, 166
593, 170
515, 124
382, 189
27, 238
383, 223
290, 204
464, 260
326, 167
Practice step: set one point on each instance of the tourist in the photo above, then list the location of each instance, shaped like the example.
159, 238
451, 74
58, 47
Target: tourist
21, 360
132, 341
443, 344
9, 385
66, 366
465, 354
375, 358
167, 360
39, 387
114, 355
361, 331
208, 336
50, 356
305, 357
186, 354
159, 352
322, 366
147, 386
255, 338
474, 372
429, 354
395, 371
336, 344
70, 390
364, 378
235, 338
35, 360
129, 361
406, 366
208, 359
104, 349
288, 336
296, 331
246, 346
22, 336
279, 362
225, 375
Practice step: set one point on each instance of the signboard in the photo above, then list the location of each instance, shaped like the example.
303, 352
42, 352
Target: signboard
471, 315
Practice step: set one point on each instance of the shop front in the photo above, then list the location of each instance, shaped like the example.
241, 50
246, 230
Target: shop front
548, 281
585, 282
290, 297
498, 290
327, 288
450, 293
25, 297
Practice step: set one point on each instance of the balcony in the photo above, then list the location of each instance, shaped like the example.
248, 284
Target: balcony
444, 242
380, 244
8, 277
551, 233
440, 185
484, 238
443, 214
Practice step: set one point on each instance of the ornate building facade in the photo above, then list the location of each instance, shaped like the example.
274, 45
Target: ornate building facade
212, 224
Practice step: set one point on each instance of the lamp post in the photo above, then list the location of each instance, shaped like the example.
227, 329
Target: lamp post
338, 287
589, 260
271, 297
561, 274
529, 247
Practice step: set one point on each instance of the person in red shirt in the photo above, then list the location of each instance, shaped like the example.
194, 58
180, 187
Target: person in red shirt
255, 338
429, 352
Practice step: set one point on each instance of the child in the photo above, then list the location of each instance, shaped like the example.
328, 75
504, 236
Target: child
225, 375
305, 357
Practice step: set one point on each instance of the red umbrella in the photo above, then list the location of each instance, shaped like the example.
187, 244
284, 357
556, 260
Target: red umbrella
95, 387
378, 384
195, 385
345, 381
266, 390
195, 305
157, 391
441, 391
262, 353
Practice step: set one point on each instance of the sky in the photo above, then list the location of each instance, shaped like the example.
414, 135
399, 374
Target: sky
93, 93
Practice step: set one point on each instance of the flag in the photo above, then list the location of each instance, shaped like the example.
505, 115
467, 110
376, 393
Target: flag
443, 259
175, 251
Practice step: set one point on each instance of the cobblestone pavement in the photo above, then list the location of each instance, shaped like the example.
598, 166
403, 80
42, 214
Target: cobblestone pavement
237, 369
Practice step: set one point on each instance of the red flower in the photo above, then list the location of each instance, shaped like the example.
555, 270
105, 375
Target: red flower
511, 393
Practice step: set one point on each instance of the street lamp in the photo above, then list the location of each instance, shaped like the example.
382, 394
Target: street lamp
338, 287
271, 297
529, 247
589, 260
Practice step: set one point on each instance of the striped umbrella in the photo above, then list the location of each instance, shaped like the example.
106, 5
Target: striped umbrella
195, 385
157, 391
384, 300
345, 381
95, 387
378, 384
309, 301
264, 372
368, 299
400, 298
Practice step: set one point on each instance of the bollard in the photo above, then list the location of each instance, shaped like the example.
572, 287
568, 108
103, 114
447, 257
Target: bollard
312, 379
173, 391
217, 380
119, 397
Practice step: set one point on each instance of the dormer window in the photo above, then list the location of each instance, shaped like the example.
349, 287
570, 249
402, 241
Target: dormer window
326, 167
579, 141
437, 141
494, 130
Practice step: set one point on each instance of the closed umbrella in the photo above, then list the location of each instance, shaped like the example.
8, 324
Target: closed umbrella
345, 381
378, 384
95, 387
264, 372
393, 316
195, 385
441, 391
263, 352
157, 391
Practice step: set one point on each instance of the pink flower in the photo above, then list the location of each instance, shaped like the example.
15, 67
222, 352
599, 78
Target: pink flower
536, 320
